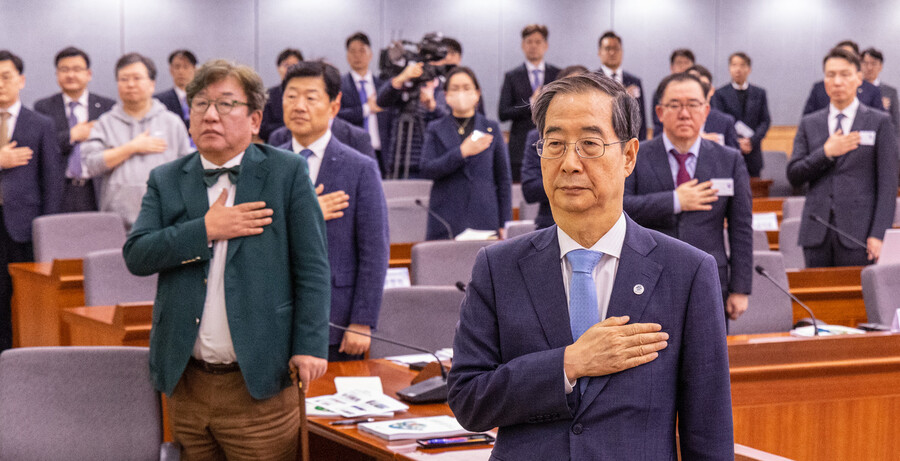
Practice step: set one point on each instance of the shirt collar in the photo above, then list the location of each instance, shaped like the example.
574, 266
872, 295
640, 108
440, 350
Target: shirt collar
609, 71
14, 109
740, 87
182, 95
849, 111
876, 82
531, 67
695, 148
358, 77
610, 244
83, 99
207, 165
318, 146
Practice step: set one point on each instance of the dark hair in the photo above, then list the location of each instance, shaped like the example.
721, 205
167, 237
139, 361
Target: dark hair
70, 52
742, 55
461, 70
703, 72
6, 55
357, 37
608, 34
626, 114
678, 77
849, 43
452, 45
131, 58
683, 52
329, 74
217, 70
286, 53
535, 28
572, 70
186, 54
875, 54
840, 53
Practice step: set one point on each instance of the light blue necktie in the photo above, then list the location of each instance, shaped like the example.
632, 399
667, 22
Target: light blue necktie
306, 153
73, 165
584, 310
363, 100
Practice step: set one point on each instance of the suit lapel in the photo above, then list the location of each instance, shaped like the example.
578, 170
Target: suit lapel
524, 80
22, 124
705, 162
660, 164
249, 186
354, 93
544, 282
330, 163
193, 190
634, 269
59, 110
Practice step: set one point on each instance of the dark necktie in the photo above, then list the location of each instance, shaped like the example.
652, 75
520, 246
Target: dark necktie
683, 175
363, 100
73, 166
210, 176
840, 119
306, 153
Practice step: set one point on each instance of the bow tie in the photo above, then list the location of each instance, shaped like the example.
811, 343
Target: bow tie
212, 175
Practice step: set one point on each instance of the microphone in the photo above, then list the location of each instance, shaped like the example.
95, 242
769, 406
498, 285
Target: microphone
431, 390
761, 271
461, 286
840, 232
438, 217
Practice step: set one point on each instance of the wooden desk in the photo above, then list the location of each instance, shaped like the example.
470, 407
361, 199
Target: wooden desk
759, 188
780, 137
828, 398
40, 291
127, 324
833, 293
401, 254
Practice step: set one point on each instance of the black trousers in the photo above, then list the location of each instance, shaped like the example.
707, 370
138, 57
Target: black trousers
11, 251
833, 253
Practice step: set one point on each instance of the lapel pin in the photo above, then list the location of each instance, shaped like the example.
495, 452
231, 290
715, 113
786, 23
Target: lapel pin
638, 289
490, 130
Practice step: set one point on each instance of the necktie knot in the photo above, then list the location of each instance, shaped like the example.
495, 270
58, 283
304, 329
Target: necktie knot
306, 153
73, 105
583, 261
210, 176
840, 122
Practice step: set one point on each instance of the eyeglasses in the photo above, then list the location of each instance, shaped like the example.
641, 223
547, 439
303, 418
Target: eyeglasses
223, 106
66, 70
693, 106
585, 147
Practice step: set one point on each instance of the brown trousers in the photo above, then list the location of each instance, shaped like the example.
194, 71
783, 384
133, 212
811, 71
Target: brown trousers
214, 417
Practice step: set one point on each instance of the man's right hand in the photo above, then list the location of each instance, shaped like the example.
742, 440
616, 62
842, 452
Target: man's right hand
80, 132
696, 196
146, 144
224, 223
612, 346
12, 156
839, 143
332, 203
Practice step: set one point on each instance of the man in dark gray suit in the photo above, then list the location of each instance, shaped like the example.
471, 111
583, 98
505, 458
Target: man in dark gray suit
872, 63
847, 153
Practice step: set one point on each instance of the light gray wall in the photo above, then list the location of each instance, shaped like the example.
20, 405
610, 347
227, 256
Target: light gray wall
785, 38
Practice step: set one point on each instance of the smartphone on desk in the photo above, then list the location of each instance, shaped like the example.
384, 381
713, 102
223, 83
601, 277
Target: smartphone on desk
446, 442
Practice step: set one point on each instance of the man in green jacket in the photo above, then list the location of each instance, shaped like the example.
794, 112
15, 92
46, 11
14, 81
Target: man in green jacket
238, 239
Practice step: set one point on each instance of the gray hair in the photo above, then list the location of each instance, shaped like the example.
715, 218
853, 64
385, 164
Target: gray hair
216, 70
626, 114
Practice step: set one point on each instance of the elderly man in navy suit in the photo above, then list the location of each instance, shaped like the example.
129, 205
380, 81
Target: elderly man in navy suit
352, 200
593, 338
31, 178
687, 187
748, 105
847, 153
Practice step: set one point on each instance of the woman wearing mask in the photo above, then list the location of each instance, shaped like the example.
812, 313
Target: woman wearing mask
466, 157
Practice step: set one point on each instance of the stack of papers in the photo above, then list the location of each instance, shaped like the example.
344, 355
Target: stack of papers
475, 234
355, 397
443, 354
415, 428
826, 330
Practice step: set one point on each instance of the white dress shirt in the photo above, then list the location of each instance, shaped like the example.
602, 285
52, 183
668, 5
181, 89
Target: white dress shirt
315, 160
610, 72
849, 116
213, 342
13, 116
740, 87
542, 67
182, 95
371, 93
604, 273
81, 111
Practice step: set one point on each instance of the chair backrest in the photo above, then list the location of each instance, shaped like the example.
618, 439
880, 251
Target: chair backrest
760, 241
528, 211
890, 247
775, 168
769, 309
78, 403
788, 237
108, 282
897, 213
881, 292
406, 188
423, 316
406, 220
517, 228
792, 207
516, 197
444, 262
73, 235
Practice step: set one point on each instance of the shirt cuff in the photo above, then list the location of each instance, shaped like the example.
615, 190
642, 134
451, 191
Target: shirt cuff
570, 385
677, 203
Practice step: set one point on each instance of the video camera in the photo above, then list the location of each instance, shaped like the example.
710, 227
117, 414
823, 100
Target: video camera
401, 53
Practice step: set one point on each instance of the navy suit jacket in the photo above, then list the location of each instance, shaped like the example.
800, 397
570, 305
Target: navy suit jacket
533, 182
514, 105
55, 108
170, 100
469, 192
629, 79
859, 187
33, 189
351, 109
273, 113
649, 201
722, 123
358, 243
514, 328
354, 137
818, 99
755, 115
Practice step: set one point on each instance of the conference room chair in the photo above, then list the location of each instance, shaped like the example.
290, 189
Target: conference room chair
890, 248
514, 229
788, 246
73, 235
444, 262
769, 309
760, 241
422, 316
406, 220
406, 188
897, 214
528, 211
775, 168
107, 281
80, 403
881, 292
792, 207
